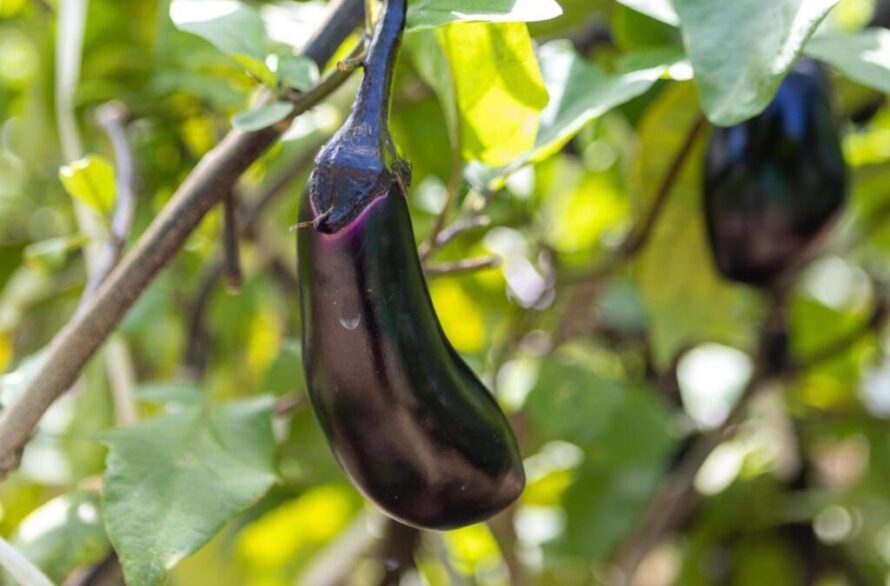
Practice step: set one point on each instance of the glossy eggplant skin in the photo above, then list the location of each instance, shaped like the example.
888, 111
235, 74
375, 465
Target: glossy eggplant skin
407, 419
775, 183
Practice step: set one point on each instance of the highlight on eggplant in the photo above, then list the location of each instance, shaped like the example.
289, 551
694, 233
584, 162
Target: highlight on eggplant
774, 184
408, 420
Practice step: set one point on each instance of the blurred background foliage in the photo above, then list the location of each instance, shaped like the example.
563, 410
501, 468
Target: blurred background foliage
608, 381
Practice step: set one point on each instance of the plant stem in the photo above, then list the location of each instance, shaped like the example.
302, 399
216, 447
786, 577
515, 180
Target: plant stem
458, 267
639, 235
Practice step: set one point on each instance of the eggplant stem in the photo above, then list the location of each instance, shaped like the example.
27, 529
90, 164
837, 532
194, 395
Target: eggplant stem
373, 97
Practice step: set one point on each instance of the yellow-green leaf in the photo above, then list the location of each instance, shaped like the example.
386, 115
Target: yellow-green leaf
499, 89
686, 300
91, 181
50, 254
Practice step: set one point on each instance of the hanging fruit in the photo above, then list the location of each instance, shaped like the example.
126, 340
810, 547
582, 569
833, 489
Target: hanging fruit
407, 419
775, 183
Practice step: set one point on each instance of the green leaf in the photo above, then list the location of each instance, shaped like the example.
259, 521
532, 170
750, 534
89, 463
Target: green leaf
164, 392
231, 26
633, 30
580, 92
498, 87
741, 51
430, 13
262, 117
91, 181
172, 482
863, 57
623, 431
258, 69
294, 71
658, 9
432, 66
669, 59
49, 255
64, 534
686, 300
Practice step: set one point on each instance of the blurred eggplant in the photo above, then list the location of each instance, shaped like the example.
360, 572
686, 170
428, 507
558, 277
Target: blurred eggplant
407, 419
881, 15
775, 183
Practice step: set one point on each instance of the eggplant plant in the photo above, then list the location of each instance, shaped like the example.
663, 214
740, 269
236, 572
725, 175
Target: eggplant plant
774, 184
407, 419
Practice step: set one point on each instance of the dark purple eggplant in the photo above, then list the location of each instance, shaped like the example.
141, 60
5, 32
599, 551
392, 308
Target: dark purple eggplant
775, 183
407, 419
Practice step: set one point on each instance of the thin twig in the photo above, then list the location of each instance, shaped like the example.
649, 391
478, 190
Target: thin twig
332, 565
504, 534
838, 347
231, 252
112, 117
214, 175
198, 341
397, 552
589, 282
677, 497
197, 347
250, 212
639, 235
460, 267
20, 568
290, 403
440, 549
461, 227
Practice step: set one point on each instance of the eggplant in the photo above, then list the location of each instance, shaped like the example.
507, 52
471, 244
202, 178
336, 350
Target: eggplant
881, 17
408, 421
774, 184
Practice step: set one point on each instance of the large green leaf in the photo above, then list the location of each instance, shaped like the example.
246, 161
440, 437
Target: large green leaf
741, 50
231, 26
64, 534
430, 13
498, 88
686, 300
580, 92
623, 430
432, 66
863, 57
661, 10
172, 482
